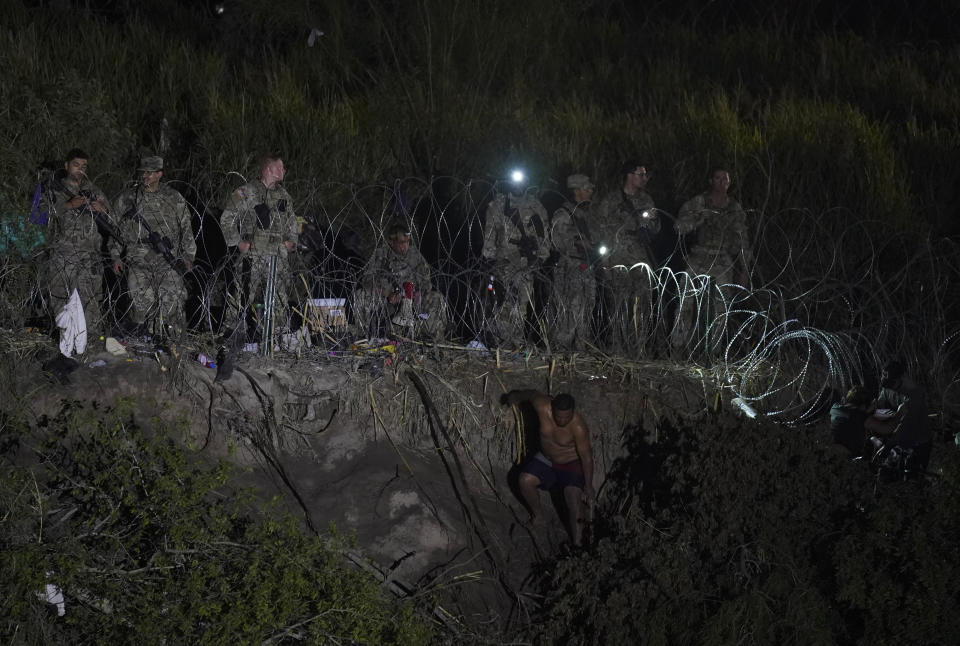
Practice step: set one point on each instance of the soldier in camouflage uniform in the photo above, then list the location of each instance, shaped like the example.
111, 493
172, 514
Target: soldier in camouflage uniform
574, 283
626, 221
151, 210
722, 252
75, 243
259, 222
516, 244
395, 291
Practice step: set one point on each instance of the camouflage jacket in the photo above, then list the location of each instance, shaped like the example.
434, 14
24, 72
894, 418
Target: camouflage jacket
720, 229
72, 229
570, 231
625, 224
267, 230
505, 242
388, 270
165, 212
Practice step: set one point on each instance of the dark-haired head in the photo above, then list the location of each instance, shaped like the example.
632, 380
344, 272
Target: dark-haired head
75, 153
398, 229
631, 165
562, 407
892, 373
563, 401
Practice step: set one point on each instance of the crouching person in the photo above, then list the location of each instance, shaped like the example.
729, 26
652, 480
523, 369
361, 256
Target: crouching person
564, 461
395, 295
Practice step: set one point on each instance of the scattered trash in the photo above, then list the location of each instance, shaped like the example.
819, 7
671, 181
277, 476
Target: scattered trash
99, 363
293, 341
747, 409
252, 347
53, 594
478, 347
204, 360
114, 347
73, 326
373, 346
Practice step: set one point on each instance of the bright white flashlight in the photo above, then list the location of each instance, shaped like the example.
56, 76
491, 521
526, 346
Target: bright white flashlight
517, 176
645, 214
603, 250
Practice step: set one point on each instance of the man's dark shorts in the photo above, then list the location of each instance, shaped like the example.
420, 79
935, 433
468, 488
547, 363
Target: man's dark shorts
555, 475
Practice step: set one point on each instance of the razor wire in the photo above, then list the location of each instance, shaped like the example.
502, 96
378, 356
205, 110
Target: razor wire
830, 295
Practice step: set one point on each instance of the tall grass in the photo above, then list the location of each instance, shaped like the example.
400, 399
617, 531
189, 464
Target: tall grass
463, 88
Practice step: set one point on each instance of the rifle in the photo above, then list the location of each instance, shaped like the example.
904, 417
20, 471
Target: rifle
104, 225
526, 244
160, 244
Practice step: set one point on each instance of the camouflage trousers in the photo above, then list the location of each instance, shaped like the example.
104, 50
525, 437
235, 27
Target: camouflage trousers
570, 312
701, 308
374, 316
507, 322
627, 308
244, 303
68, 269
157, 295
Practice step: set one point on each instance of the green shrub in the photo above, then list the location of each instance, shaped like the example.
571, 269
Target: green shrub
150, 545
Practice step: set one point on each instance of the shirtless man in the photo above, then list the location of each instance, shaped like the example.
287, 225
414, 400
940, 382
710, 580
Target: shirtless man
564, 460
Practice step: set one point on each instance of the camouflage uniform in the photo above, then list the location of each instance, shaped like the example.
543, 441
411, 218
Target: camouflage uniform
266, 234
574, 282
388, 271
722, 253
626, 290
156, 289
75, 251
520, 271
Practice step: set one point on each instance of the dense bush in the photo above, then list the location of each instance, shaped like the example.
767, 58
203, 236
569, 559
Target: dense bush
729, 531
150, 546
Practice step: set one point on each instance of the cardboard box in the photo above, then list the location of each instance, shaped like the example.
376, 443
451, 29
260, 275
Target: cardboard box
326, 313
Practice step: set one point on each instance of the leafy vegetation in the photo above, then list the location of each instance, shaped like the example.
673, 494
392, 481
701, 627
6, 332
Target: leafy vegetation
149, 545
724, 532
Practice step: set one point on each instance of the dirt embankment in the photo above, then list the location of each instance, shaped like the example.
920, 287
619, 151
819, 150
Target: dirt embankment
411, 451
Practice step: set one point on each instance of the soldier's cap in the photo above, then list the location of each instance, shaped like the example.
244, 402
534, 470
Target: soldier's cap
151, 163
579, 181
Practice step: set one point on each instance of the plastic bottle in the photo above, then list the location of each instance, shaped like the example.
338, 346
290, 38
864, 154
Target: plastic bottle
204, 360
